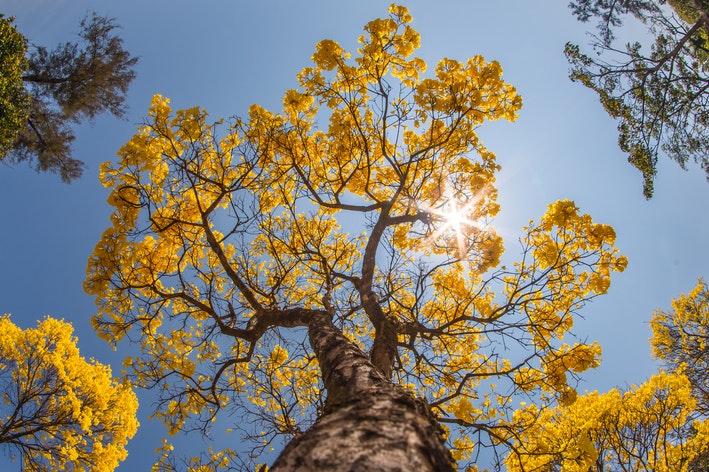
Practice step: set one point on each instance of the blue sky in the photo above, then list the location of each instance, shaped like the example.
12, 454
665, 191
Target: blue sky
226, 55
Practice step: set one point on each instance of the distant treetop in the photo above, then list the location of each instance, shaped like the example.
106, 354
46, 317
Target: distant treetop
43, 92
658, 93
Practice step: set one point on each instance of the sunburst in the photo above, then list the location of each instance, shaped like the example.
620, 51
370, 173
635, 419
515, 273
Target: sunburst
453, 217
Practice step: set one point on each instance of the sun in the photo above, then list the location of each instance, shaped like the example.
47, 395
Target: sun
454, 218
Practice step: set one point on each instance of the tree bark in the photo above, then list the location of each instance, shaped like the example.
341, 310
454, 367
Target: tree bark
369, 423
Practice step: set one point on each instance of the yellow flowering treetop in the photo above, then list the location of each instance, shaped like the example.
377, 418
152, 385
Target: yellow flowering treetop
59, 411
648, 427
367, 199
659, 425
681, 339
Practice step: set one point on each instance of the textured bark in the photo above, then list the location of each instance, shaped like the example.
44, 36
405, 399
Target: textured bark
369, 423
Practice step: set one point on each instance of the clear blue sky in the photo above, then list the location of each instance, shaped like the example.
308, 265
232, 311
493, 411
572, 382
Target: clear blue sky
224, 55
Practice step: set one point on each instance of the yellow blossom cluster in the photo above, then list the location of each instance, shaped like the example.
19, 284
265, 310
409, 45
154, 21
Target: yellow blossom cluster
209, 461
648, 427
682, 335
67, 412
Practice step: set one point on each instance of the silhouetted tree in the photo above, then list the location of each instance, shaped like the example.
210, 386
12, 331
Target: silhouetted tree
659, 95
72, 83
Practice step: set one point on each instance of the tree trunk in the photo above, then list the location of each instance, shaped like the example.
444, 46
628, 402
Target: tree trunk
369, 423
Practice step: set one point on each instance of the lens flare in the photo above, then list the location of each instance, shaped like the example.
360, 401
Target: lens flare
455, 219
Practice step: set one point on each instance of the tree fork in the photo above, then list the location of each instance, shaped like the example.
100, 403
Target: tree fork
369, 423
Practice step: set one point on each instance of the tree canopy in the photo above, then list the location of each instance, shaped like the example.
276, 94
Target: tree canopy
681, 336
652, 426
657, 92
255, 261
75, 82
660, 425
14, 99
59, 411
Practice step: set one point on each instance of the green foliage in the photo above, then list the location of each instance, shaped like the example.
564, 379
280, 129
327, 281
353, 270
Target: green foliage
14, 99
610, 13
70, 84
657, 93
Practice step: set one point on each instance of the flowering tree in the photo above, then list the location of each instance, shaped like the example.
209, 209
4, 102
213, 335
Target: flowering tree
59, 411
648, 427
330, 271
681, 337
659, 425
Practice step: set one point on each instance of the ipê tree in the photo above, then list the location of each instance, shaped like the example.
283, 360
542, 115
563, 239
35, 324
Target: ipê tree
659, 425
60, 411
651, 426
341, 285
681, 339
